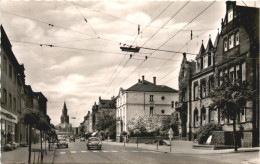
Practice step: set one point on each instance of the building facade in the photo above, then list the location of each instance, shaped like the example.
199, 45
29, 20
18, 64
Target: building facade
143, 98
16, 98
235, 54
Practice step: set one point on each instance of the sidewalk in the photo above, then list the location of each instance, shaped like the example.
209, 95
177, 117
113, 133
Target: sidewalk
20, 155
180, 146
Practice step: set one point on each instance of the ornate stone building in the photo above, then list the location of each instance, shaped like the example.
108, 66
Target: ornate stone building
235, 54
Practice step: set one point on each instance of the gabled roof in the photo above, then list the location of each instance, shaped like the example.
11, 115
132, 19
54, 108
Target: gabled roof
107, 103
216, 40
147, 86
209, 46
202, 50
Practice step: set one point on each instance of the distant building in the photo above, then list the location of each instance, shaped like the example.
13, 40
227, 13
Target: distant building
103, 105
235, 53
64, 127
143, 98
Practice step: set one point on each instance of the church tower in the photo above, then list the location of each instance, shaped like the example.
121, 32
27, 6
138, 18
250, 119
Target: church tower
64, 117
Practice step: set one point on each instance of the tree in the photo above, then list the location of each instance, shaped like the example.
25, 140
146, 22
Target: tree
147, 124
230, 99
107, 121
43, 126
30, 118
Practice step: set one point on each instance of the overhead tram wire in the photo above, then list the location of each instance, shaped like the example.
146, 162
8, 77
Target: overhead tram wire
136, 38
85, 19
57, 26
155, 18
176, 33
180, 50
80, 49
166, 23
123, 20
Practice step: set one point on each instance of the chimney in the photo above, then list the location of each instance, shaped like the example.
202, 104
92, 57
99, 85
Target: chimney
139, 81
143, 79
99, 97
154, 80
230, 4
184, 55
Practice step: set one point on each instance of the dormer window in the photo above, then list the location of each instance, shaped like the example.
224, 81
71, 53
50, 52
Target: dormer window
230, 15
225, 44
231, 41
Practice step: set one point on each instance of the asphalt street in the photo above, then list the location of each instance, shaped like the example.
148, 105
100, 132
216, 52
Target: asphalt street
78, 153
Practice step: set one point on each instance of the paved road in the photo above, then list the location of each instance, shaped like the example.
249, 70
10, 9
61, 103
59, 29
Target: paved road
78, 153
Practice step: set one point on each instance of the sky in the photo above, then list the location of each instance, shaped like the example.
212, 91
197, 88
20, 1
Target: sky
86, 62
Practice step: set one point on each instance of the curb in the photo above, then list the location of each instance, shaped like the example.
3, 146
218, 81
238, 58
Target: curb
54, 155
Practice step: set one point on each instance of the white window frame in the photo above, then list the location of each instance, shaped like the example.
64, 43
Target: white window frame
231, 41
230, 15
237, 38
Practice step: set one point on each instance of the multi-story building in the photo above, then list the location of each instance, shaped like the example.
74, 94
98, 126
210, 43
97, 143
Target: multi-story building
235, 53
143, 98
103, 105
16, 97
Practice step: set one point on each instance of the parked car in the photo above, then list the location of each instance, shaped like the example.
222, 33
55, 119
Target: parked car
62, 142
72, 138
82, 139
94, 142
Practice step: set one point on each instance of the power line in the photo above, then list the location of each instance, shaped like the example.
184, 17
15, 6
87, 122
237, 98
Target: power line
57, 26
167, 50
166, 23
84, 18
180, 50
134, 41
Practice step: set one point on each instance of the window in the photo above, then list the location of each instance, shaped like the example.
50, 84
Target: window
198, 65
196, 91
201, 63
237, 38
5, 96
10, 71
151, 110
10, 100
196, 118
231, 41
220, 76
203, 89
225, 44
162, 97
203, 115
231, 73
243, 71
15, 77
14, 106
172, 104
238, 72
243, 115
230, 15
205, 61
176, 104
211, 83
151, 98
5, 64
162, 111
209, 59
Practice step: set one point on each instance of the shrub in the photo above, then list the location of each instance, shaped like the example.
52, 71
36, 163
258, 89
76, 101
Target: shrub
137, 132
205, 131
124, 133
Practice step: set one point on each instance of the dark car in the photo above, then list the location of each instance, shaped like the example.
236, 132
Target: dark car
62, 142
94, 142
72, 138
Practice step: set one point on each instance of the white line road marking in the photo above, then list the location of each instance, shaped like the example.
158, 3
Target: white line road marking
124, 151
95, 151
113, 151
62, 152
105, 151
73, 152
83, 151
135, 151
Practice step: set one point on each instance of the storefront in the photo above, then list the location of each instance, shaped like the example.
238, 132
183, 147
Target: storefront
8, 127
